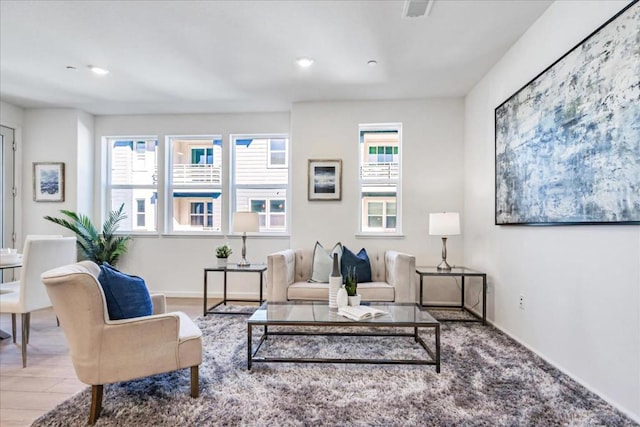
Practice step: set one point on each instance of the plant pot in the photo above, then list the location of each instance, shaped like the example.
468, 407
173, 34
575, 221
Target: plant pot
354, 301
222, 262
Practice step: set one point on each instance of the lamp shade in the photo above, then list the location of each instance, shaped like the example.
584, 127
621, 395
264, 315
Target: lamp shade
245, 222
444, 224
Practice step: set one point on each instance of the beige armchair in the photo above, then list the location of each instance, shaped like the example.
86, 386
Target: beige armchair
105, 351
288, 273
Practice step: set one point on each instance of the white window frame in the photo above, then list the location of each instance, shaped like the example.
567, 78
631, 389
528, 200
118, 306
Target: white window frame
362, 157
110, 187
171, 187
233, 186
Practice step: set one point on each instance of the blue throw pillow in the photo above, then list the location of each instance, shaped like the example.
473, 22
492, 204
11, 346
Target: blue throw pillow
359, 261
127, 296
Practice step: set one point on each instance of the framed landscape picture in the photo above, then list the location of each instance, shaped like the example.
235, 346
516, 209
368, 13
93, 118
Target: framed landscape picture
48, 182
325, 179
567, 149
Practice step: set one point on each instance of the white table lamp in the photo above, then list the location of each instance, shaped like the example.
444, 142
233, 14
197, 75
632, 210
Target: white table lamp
245, 222
444, 224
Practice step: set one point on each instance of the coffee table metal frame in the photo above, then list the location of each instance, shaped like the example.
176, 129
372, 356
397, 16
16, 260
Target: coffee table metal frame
253, 321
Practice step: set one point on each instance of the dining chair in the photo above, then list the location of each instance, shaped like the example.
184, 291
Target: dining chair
41, 253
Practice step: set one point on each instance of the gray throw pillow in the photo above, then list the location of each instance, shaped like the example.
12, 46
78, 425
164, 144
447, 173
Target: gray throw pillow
323, 262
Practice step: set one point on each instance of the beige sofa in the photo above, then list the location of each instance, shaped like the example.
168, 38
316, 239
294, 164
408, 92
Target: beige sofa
288, 273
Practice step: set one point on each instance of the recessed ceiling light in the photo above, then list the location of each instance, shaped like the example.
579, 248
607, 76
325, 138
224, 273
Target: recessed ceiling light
372, 63
98, 70
304, 62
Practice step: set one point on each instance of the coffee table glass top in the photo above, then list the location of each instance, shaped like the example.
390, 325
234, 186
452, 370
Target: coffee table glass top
318, 312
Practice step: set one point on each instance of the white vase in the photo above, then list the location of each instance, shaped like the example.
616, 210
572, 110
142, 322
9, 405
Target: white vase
334, 286
342, 298
222, 262
354, 301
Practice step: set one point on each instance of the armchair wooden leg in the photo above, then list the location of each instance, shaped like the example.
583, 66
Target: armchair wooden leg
96, 403
195, 386
24, 339
13, 326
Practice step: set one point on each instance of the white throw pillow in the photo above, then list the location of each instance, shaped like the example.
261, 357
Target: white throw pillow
323, 262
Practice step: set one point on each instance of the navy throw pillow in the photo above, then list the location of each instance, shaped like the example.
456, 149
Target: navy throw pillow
359, 261
127, 296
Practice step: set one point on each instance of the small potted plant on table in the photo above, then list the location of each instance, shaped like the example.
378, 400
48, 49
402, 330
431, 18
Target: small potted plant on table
222, 253
351, 285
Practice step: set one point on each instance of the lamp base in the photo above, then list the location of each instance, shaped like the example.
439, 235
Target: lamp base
244, 263
444, 266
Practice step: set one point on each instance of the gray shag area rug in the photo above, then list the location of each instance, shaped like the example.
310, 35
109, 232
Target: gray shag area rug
487, 379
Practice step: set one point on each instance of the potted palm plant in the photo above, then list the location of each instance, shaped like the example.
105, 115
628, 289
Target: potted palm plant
97, 246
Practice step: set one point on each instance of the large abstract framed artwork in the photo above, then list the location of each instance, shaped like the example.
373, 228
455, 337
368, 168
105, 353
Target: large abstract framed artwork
568, 142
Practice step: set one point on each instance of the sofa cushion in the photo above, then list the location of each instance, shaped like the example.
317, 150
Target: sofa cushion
370, 291
323, 262
127, 296
360, 261
311, 291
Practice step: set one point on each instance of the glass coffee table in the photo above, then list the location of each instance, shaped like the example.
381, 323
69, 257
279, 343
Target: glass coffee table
299, 315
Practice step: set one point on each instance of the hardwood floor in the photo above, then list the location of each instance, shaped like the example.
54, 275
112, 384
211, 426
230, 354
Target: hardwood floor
49, 378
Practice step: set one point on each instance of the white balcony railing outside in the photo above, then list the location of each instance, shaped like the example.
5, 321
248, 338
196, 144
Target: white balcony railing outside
379, 170
196, 174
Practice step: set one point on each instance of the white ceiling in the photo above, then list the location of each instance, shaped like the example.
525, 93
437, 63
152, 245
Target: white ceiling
239, 56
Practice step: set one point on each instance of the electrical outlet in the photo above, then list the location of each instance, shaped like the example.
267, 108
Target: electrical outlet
521, 302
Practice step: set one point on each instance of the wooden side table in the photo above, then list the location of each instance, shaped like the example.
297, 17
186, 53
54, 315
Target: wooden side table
456, 272
232, 268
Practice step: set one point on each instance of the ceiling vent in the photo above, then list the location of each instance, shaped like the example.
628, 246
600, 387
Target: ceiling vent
417, 8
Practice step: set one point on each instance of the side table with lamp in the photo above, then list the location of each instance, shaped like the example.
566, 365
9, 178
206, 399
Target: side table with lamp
243, 222
447, 224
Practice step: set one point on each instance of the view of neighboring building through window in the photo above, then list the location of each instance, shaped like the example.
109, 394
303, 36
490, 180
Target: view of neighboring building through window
195, 183
131, 180
380, 149
261, 178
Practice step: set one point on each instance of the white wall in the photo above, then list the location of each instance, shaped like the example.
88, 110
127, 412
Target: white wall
432, 175
581, 283
52, 135
10, 115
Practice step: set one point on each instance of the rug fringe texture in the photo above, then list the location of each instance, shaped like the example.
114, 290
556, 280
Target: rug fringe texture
487, 379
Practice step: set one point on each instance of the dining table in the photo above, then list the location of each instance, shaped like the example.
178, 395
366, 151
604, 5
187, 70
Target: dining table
4, 335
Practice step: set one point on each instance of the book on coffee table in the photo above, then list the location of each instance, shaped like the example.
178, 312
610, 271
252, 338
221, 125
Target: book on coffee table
360, 312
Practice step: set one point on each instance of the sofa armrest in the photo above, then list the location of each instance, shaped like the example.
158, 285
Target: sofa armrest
400, 271
159, 303
280, 273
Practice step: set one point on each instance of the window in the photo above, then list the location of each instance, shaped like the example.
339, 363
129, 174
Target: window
194, 186
260, 179
271, 213
140, 209
379, 148
277, 156
131, 178
199, 217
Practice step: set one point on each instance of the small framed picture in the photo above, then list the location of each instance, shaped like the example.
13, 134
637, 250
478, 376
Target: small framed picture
48, 182
325, 179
